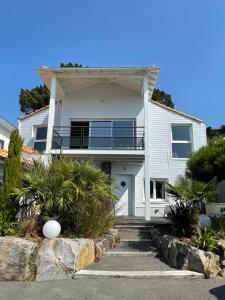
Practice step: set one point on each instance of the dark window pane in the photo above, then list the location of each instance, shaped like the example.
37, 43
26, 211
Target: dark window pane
123, 134
40, 146
101, 134
181, 150
160, 190
151, 189
41, 133
1, 144
181, 133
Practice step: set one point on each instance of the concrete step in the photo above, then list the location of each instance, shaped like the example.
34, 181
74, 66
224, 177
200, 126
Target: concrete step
130, 253
134, 233
135, 246
176, 274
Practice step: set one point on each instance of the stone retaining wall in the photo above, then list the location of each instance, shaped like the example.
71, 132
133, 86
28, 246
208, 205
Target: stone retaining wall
50, 259
186, 257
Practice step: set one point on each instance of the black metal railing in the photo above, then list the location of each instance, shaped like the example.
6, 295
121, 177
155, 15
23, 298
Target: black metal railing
85, 137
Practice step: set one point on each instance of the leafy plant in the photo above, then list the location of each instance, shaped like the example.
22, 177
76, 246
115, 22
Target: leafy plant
206, 241
193, 192
218, 225
208, 161
182, 220
76, 193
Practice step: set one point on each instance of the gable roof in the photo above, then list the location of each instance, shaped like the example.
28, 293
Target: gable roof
33, 113
177, 111
6, 124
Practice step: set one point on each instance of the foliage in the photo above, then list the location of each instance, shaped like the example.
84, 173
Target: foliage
206, 241
192, 191
162, 97
29, 226
179, 216
38, 97
218, 226
12, 177
208, 161
216, 132
77, 194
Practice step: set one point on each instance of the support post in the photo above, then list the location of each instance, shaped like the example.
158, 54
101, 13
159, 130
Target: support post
51, 114
147, 150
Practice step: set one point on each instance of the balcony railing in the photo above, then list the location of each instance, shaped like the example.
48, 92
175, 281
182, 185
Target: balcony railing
101, 138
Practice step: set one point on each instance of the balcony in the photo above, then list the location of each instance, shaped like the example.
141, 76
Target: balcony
98, 137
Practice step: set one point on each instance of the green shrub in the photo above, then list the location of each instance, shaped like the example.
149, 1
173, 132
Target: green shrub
179, 216
206, 241
76, 193
218, 225
208, 162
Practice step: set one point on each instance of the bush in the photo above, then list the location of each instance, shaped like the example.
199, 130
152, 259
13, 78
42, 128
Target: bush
77, 194
208, 162
206, 241
184, 219
218, 225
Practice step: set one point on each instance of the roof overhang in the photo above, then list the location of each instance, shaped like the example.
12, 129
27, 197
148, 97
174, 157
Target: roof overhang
70, 80
6, 124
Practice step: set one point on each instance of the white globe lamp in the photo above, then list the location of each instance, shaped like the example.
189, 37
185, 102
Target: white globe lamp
51, 229
205, 221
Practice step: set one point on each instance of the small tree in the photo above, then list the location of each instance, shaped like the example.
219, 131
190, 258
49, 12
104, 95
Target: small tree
208, 162
12, 176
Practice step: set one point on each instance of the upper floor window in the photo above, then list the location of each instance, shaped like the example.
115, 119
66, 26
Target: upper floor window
181, 141
157, 189
40, 138
2, 144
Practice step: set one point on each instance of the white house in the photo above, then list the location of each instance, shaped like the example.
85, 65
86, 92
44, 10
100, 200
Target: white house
5, 131
107, 115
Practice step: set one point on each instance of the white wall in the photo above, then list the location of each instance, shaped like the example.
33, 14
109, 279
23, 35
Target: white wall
5, 136
27, 125
106, 101
162, 165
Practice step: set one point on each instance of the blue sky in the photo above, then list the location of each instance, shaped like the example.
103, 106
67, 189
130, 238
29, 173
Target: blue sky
185, 38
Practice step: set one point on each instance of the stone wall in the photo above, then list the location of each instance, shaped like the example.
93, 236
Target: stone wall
186, 257
50, 259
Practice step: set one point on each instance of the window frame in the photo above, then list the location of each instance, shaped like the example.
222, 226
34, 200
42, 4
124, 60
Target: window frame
3, 144
189, 125
154, 180
39, 140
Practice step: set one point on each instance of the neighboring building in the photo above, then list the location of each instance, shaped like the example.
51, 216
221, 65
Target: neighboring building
106, 114
5, 130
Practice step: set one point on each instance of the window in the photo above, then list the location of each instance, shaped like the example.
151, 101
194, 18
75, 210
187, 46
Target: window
157, 189
40, 139
181, 141
2, 144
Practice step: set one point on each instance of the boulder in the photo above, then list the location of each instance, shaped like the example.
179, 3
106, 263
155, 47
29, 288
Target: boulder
204, 262
15, 258
60, 258
166, 245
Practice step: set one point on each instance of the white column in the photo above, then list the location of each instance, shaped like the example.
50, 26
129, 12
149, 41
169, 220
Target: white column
51, 114
147, 150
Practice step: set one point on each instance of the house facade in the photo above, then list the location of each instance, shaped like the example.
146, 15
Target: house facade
107, 115
5, 130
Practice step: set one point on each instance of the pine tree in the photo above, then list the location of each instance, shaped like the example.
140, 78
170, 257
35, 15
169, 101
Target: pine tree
12, 175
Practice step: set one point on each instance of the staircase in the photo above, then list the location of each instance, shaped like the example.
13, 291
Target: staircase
135, 256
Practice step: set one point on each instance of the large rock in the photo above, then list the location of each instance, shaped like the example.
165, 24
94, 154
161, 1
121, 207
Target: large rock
60, 258
15, 258
204, 262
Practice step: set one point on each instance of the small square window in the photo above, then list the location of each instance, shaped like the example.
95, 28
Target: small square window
157, 189
40, 146
41, 133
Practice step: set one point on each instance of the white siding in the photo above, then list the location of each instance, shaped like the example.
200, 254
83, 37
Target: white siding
5, 136
162, 165
103, 101
26, 126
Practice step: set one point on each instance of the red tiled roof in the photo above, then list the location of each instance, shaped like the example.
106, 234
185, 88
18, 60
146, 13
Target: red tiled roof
33, 113
25, 149
176, 111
